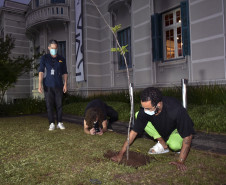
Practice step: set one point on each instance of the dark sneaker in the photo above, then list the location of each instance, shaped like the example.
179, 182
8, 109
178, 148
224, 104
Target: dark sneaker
110, 128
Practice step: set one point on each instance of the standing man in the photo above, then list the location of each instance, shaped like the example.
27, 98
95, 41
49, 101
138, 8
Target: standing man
52, 73
164, 119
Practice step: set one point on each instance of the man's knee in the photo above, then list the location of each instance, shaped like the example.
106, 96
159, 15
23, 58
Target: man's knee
136, 114
175, 146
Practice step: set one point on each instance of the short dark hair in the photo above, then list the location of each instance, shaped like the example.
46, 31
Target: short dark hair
53, 42
151, 94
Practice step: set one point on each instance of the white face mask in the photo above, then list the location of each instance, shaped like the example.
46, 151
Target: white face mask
53, 52
151, 113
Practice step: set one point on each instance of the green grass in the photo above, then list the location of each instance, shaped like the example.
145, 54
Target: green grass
211, 94
206, 105
208, 118
23, 107
78, 109
30, 154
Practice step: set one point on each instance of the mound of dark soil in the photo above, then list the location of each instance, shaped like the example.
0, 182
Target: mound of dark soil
135, 159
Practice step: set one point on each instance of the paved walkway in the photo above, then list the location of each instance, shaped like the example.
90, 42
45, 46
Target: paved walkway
215, 143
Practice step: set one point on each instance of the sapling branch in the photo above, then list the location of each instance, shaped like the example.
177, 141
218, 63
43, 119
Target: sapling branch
122, 50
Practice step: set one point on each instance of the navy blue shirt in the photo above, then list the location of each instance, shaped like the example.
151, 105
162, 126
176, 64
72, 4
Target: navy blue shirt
58, 64
173, 116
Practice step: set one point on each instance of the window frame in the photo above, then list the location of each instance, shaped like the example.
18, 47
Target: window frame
37, 3
62, 50
56, 2
157, 33
174, 27
127, 54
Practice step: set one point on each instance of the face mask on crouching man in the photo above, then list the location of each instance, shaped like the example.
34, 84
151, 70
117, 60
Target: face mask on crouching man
167, 121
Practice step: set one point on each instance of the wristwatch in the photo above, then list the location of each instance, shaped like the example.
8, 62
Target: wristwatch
180, 160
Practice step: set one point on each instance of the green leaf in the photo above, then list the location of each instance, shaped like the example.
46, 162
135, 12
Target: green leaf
11, 68
116, 28
122, 51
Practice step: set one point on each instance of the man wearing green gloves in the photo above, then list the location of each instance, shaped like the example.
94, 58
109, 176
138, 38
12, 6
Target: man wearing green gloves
165, 119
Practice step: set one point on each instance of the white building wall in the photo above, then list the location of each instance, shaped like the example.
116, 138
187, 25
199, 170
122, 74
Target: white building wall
14, 25
71, 49
121, 16
97, 45
103, 74
224, 27
170, 73
143, 66
207, 33
207, 20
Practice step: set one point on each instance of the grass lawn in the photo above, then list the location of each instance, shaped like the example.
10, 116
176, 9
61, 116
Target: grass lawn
30, 154
207, 118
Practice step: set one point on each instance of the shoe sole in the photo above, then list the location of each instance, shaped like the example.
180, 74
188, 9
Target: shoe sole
154, 153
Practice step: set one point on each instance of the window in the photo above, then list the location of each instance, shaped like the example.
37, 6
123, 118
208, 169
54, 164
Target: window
170, 34
57, 1
36, 3
172, 37
62, 49
124, 38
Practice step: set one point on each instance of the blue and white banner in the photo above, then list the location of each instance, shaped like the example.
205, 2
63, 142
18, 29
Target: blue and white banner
79, 41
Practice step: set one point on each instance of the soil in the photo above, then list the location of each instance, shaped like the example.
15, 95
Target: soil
135, 159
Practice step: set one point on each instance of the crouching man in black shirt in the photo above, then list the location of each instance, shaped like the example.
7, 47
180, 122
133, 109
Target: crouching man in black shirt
99, 117
165, 119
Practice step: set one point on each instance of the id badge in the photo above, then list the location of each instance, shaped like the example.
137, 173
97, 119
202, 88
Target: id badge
52, 71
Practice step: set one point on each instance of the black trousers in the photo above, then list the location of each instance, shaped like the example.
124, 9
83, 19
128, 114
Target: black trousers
53, 98
112, 114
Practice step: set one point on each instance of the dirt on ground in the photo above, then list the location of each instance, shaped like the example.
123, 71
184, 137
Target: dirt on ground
135, 159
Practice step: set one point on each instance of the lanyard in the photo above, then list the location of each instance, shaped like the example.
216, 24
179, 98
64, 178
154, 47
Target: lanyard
53, 62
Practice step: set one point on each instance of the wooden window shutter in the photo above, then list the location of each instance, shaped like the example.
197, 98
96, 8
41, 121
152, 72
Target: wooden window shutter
185, 27
156, 29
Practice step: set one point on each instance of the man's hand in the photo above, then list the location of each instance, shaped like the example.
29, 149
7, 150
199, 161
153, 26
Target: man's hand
65, 83
100, 133
180, 166
40, 79
92, 131
40, 90
183, 154
117, 158
65, 88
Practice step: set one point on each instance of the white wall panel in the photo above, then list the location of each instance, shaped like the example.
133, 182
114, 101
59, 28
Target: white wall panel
208, 49
204, 9
207, 28
211, 70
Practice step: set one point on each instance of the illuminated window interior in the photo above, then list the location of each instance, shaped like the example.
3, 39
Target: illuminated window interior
173, 45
